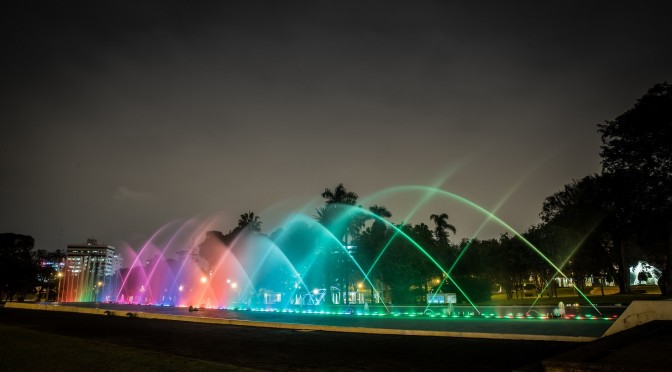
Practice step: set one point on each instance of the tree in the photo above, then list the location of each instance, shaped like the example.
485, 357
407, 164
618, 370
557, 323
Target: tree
336, 214
371, 241
380, 211
442, 228
46, 272
515, 262
593, 210
17, 271
379, 228
427, 269
337, 217
249, 221
401, 268
339, 195
636, 146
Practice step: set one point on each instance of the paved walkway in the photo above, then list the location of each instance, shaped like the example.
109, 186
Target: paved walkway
644, 348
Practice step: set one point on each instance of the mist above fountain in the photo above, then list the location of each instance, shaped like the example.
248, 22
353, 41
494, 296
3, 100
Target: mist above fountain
308, 261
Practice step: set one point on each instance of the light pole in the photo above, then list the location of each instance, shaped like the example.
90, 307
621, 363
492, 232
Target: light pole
60, 280
97, 289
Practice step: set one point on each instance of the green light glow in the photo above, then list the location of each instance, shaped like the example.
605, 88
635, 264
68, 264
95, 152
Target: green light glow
492, 216
509, 316
425, 198
340, 244
419, 247
563, 263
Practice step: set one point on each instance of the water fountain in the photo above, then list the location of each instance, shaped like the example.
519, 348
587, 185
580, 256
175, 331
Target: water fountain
304, 267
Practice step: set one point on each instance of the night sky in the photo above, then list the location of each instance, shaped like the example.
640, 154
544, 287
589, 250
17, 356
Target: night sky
119, 117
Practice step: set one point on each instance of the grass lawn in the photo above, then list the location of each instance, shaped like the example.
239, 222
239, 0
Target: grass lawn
27, 350
569, 296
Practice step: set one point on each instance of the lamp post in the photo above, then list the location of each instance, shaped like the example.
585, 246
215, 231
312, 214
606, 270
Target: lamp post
60, 280
234, 287
97, 290
179, 299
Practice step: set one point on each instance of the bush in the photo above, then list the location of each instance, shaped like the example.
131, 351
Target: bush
478, 290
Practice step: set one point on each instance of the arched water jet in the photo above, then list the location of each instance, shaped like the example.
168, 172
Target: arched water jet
161, 255
201, 231
340, 245
428, 195
499, 205
273, 248
564, 262
135, 261
494, 218
212, 277
422, 250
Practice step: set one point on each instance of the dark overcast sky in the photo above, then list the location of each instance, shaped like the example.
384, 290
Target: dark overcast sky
120, 116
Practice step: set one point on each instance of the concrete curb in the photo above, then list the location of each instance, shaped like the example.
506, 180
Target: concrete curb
300, 327
641, 312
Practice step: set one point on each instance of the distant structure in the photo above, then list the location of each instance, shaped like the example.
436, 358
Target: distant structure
90, 270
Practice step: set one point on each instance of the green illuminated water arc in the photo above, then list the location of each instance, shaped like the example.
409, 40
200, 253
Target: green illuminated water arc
490, 215
420, 248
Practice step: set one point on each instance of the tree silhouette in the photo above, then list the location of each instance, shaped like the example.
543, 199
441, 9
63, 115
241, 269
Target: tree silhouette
442, 228
249, 221
337, 216
636, 149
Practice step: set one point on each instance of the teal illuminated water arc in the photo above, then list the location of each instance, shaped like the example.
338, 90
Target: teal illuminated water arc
273, 267
341, 246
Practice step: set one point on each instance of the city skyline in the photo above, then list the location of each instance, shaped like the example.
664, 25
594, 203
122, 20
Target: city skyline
120, 118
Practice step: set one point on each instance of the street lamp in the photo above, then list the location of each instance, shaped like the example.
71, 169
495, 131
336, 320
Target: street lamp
234, 285
60, 280
179, 298
96, 290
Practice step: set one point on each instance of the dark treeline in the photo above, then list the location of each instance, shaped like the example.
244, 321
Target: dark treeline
24, 270
596, 227
623, 214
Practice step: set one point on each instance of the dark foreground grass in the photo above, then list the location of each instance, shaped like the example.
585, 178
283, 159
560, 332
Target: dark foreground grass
27, 350
87, 342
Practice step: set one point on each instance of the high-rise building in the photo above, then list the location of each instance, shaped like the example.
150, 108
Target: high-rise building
89, 271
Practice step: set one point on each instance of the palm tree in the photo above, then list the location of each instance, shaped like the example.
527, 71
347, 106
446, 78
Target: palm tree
330, 216
442, 227
380, 211
322, 215
379, 228
340, 195
378, 234
249, 221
